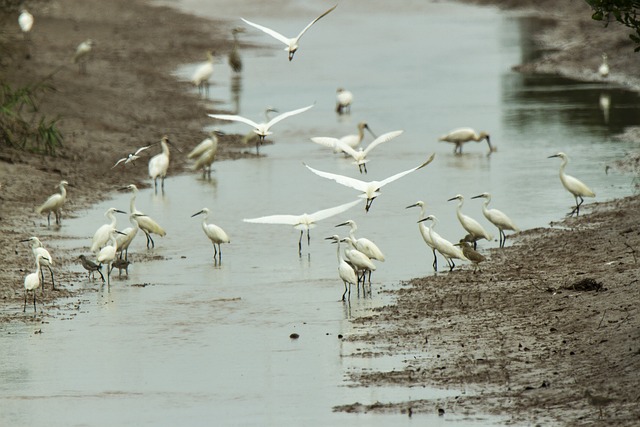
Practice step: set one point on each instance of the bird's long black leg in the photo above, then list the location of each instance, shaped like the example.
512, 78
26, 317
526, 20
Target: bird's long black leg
345, 291
452, 265
34, 302
308, 238
25, 301
300, 243
101, 275
49, 219
435, 261
53, 282
153, 244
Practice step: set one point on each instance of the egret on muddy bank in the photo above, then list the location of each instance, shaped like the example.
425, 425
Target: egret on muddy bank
448, 250
573, 185
159, 164
82, 55
426, 232
32, 282
54, 204
472, 226
38, 249
497, 218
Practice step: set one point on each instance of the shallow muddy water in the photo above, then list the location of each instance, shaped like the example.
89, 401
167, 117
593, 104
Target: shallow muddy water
184, 341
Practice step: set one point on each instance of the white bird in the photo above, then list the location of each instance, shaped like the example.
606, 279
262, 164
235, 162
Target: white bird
159, 164
305, 221
25, 20
131, 157
216, 234
146, 223
291, 43
448, 250
345, 271
82, 54
344, 99
202, 74
54, 203
103, 233
32, 282
426, 232
363, 244
573, 185
360, 156
370, 190
37, 248
360, 260
261, 129
108, 253
253, 138
351, 140
127, 235
497, 218
462, 135
235, 61
472, 226
205, 152
603, 70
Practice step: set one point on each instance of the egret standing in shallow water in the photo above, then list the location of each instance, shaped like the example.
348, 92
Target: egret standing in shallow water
370, 190
145, 222
205, 153
462, 135
216, 234
291, 43
305, 221
351, 140
344, 99
573, 185
108, 253
261, 129
472, 226
38, 250
54, 204
426, 232
159, 164
448, 250
345, 271
103, 233
362, 244
128, 234
497, 218
202, 75
32, 282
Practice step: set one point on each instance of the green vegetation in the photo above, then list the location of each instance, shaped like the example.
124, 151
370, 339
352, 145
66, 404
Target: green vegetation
623, 11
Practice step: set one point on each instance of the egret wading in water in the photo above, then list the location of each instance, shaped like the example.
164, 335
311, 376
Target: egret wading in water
462, 135
205, 152
145, 222
344, 99
82, 55
497, 218
131, 157
32, 282
54, 204
216, 234
291, 43
108, 253
38, 250
472, 226
360, 262
305, 221
103, 233
362, 244
235, 61
351, 140
345, 271
603, 69
90, 266
159, 164
261, 129
127, 235
360, 156
448, 250
202, 74
426, 232
370, 190
573, 185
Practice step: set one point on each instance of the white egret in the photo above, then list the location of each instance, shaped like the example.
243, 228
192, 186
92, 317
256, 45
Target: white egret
448, 250
573, 185
497, 218
472, 226
108, 253
359, 261
471, 254
305, 221
345, 271
38, 249
82, 54
261, 129
159, 164
131, 157
291, 43
205, 153
216, 234
103, 233
344, 99
235, 61
352, 140
90, 266
25, 20
145, 222
202, 74
426, 232
128, 234
253, 138
603, 69
363, 244
32, 282
370, 190
360, 156
54, 203
462, 135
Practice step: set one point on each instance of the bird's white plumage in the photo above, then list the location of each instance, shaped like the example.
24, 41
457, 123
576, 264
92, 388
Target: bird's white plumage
54, 203
603, 69
345, 271
25, 20
215, 233
472, 226
131, 157
572, 184
103, 233
462, 135
363, 244
344, 99
448, 250
352, 140
261, 129
359, 260
360, 156
304, 221
159, 164
123, 241
496, 217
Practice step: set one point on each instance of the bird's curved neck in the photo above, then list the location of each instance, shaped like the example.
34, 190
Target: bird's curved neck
165, 148
63, 190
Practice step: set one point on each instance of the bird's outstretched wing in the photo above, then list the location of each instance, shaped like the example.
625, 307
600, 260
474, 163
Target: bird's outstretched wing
381, 139
401, 174
276, 35
313, 22
276, 219
283, 116
124, 159
326, 213
327, 141
341, 179
341, 145
234, 118
141, 149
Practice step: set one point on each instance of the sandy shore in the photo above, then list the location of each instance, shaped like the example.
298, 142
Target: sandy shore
520, 337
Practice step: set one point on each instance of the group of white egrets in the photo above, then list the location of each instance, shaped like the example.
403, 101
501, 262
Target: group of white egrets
110, 246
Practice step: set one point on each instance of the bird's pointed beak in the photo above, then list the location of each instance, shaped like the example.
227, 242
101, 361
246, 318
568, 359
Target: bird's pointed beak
119, 211
550, 157
341, 224
453, 198
412, 206
478, 196
197, 213
120, 232
423, 219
